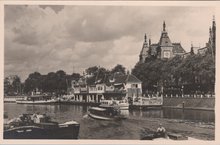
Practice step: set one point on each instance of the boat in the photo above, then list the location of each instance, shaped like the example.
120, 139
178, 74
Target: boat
105, 113
168, 136
121, 104
154, 102
37, 99
39, 126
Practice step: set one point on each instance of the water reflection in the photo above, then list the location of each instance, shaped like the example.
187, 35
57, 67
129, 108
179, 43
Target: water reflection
61, 112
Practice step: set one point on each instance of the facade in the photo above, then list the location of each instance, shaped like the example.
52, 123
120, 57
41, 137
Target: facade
164, 49
115, 86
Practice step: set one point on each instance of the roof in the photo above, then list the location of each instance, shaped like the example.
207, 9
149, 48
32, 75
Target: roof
165, 40
177, 48
126, 78
133, 79
153, 48
203, 48
116, 78
145, 49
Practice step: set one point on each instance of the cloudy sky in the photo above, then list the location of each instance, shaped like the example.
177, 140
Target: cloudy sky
73, 38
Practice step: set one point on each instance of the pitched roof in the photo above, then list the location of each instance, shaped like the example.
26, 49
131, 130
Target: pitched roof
165, 40
133, 79
177, 48
126, 78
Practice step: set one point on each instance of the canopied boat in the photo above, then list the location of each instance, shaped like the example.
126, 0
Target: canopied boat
36, 126
121, 104
106, 113
37, 99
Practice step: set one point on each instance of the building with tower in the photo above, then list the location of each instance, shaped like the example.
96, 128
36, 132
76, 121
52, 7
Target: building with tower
164, 49
211, 44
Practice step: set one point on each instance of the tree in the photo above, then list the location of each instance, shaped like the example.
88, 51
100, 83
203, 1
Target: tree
118, 68
32, 82
12, 85
192, 74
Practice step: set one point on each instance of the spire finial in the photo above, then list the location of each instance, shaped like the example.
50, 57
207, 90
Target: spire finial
164, 26
192, 51
213, 18
145, 38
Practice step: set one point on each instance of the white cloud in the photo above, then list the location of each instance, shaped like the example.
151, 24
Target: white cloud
50, 38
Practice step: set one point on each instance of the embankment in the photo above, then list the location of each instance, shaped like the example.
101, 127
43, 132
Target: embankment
190, 103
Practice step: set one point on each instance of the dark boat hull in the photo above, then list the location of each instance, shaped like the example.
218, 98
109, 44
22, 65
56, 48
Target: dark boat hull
33, 132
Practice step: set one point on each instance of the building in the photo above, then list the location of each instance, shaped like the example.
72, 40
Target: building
116, 86
211, 44
185, 55
164, 49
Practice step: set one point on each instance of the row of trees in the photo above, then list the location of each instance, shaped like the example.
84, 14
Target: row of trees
54, 82
194, 74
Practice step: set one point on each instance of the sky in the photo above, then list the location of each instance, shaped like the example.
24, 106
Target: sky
46, 38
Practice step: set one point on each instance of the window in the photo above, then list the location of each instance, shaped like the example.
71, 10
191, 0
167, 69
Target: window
134, 86
99, 88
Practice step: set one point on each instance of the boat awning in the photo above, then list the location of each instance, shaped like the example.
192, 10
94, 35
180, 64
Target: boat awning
98, 108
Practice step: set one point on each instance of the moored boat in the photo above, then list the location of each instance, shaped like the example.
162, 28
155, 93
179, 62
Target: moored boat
121, 104
37, 99
168, 136
35, 126
106, 113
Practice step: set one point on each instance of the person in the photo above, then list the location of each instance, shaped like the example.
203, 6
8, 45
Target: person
161, 131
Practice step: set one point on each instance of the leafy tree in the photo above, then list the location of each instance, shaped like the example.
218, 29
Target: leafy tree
118, 68
194, 74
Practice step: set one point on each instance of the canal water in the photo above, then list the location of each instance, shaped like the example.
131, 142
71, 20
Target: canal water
131, 128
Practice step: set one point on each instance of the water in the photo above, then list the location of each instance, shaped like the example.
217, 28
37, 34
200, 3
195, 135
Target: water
130, 128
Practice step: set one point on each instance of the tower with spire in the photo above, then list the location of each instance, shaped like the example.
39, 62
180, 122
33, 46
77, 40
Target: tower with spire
212, 37
164, 49
144, 51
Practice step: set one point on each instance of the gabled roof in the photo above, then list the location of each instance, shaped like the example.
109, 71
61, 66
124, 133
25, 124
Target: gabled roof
133, 79
177, 48
165, 40
126, 79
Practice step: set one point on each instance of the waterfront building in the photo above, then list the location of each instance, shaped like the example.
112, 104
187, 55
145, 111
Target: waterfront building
164, 49
116, 86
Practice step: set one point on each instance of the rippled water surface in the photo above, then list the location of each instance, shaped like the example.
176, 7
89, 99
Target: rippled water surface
130, 128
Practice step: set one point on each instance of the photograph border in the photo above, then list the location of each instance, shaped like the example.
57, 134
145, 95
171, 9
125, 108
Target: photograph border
215, 4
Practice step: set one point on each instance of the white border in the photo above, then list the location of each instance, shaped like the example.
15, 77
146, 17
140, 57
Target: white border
216, 4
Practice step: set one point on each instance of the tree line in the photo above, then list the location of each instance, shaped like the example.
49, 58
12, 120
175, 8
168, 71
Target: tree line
54, 82
194, 74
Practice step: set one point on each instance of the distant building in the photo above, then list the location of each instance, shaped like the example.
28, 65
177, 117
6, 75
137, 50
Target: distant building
164, 49
114, 86
211, 44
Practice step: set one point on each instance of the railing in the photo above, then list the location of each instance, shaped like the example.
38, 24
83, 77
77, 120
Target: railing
115, 91
148, 101
190, 96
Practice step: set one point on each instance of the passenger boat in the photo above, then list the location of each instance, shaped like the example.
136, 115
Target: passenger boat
105, 113
37, 99
36, 126
121, 104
